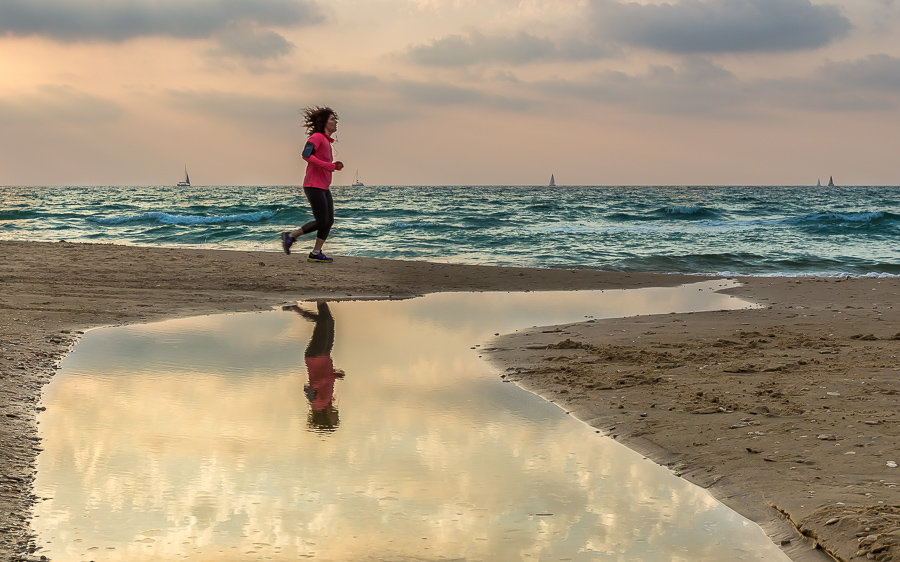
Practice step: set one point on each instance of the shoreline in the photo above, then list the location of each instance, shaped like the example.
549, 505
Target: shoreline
787, 413
51, 292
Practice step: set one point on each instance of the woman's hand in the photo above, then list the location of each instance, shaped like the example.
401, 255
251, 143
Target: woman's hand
338, 165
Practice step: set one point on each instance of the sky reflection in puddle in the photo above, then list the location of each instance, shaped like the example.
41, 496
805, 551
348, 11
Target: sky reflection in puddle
218, 438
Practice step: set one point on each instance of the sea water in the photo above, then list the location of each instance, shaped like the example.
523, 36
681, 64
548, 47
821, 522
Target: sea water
210, 438
748, 230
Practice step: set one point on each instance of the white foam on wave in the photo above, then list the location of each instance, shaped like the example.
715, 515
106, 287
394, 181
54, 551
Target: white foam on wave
833, 275
166, 218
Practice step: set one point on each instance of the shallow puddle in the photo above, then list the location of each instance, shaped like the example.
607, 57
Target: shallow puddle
365, 430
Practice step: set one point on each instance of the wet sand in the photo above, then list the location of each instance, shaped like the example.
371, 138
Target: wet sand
788, 412
789, 409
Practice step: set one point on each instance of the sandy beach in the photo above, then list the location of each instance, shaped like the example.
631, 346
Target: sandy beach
786, 413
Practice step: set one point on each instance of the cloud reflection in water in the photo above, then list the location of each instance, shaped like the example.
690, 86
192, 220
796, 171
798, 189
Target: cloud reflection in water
191, 438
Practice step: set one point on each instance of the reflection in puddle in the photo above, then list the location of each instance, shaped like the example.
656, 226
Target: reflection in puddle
218, 438
320, 367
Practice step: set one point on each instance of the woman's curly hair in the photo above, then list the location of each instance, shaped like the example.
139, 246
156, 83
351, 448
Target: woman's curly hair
315, 118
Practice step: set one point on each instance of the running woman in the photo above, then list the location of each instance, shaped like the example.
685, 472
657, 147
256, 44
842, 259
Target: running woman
323, 414
321, 123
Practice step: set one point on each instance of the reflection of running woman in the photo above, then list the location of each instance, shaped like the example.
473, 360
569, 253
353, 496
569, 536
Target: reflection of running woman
320, 368
321, 123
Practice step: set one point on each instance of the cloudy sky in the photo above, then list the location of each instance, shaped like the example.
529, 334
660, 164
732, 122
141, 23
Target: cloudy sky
598, 92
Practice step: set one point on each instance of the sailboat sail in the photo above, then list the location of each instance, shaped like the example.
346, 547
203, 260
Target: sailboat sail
552, 181
830, 181
187, 179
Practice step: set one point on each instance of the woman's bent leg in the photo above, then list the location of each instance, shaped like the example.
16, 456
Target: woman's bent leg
319, 203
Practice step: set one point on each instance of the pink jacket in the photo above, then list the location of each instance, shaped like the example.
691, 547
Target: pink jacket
321, 379
319, 165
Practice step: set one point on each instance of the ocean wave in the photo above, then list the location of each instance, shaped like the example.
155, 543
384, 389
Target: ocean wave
372, 213
28, 214
627, 217
752, 264
415, 224
834, 275
158, 217
671, 212
848, 219
543, 206
748, 230
567, 229
691, 212
812, 263
18, 214
706, 262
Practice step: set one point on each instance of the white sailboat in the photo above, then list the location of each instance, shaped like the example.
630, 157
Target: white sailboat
830, 181
818, 183
356, 182
187, 180
552, 181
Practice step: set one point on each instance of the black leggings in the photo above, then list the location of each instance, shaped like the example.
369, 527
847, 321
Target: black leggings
323, 212
322, 339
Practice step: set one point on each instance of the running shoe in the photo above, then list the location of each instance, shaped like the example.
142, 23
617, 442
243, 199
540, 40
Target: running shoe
286, 242
318, 257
